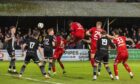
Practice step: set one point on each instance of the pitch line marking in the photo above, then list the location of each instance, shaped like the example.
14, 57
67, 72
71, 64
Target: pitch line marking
31, 79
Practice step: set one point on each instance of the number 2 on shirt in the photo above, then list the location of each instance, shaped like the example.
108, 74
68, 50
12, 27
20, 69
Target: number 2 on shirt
97, 33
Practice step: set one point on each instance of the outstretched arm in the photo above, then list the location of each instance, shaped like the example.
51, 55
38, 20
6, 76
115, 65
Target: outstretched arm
88, 33
111, 37
7, 39
129, 39
87, 41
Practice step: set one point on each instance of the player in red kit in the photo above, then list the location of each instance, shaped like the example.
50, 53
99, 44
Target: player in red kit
59, 50
77, 32
122, 53
95, 33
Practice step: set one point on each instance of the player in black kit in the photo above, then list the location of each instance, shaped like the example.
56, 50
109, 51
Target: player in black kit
10, 39
32, 46
102, 54
48, 44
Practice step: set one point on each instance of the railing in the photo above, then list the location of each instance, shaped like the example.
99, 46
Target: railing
73, 55
133, 54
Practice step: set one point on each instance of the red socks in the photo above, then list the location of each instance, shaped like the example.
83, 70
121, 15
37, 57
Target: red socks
127, 67
92, 62
53, 69
115, 69
61, 64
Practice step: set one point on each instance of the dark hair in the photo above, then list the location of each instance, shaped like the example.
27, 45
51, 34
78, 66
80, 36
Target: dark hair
12, 27
36, 33
116, 31
49, 30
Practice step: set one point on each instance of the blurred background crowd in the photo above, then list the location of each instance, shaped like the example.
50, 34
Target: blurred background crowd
133, 33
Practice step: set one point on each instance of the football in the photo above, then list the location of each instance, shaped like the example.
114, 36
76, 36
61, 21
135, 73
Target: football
40, 25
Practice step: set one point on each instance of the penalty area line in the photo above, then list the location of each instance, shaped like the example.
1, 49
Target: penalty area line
35, 80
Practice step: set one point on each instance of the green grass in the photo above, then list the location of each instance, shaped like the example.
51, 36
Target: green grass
77, 73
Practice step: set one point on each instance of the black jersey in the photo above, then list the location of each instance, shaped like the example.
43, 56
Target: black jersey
32, 44
103, 44
48, 41
11, 44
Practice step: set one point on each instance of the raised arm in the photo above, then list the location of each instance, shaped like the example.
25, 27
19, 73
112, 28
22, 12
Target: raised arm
110, 37
129, 39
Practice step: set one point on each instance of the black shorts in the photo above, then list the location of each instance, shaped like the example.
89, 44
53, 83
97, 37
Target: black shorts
102, 57
11, 53
48, 53
31, 56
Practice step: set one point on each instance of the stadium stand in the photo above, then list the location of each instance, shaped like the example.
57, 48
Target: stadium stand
73, 8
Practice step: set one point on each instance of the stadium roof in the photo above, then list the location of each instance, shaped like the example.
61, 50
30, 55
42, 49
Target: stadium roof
70, 8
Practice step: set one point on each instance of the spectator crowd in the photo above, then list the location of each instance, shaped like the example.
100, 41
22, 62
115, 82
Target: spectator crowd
133, 33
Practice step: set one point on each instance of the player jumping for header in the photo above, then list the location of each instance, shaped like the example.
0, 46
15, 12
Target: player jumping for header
77, 32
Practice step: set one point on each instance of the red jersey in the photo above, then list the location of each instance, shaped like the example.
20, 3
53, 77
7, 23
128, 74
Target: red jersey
95, 33
120, 42
138, 45
60, 42
76, 27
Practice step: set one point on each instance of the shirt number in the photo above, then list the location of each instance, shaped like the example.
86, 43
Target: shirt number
104, 41
46, 41
97, 33
120, 40
32, 44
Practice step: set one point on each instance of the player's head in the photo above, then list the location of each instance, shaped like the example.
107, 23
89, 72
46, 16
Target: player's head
13, 29
50, 31
115, 32
98, 24
103, 33
36, 34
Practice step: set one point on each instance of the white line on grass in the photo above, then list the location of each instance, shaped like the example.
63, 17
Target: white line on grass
36, 80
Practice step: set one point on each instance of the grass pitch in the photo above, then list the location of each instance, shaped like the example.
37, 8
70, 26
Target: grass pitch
77, 73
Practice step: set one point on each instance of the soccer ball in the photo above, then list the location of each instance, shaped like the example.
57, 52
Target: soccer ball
40, 25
